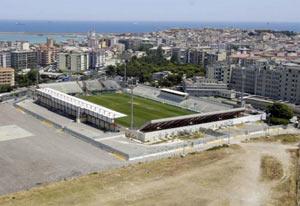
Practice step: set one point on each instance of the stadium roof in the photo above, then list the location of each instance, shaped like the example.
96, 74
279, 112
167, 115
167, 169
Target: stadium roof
188, 120
174, 92
74, 101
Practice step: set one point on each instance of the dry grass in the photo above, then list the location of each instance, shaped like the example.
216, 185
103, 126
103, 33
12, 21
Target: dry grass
285, 192
271, 168
284, 139
155, 183
194, 136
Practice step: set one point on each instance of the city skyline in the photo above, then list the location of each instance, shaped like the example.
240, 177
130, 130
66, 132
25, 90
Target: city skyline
154, 10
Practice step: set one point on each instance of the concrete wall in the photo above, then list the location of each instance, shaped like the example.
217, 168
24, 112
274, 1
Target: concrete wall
157, 135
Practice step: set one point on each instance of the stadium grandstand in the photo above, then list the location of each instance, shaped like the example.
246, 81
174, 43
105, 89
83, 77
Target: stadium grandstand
111, 85
80, 87
82, 110
65, 87
173, 95
196, 104
161, 129
91, 86
174, 122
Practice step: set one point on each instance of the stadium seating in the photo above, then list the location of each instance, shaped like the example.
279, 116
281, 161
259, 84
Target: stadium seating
191, 103
65, 87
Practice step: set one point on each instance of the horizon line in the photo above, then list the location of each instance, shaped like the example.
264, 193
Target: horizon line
158, 21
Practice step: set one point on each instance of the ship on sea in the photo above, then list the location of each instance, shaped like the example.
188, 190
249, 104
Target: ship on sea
20, 24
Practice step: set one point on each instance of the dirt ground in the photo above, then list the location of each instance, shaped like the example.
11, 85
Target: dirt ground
223, 177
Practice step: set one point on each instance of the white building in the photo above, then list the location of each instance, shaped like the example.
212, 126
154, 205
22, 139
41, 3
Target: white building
75, 62
97, 59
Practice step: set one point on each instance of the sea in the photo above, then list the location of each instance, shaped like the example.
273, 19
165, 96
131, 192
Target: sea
38, 31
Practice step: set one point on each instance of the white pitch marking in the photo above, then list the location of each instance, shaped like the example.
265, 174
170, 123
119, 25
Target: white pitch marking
12, 132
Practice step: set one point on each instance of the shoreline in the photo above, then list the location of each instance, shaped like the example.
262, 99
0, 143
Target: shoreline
43, 33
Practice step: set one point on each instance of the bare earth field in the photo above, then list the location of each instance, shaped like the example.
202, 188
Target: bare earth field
227, 176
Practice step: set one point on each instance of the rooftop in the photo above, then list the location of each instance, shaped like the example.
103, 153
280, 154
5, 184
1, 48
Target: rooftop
103, 111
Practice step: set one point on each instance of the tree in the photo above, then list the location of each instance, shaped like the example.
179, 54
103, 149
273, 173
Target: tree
5, 88
280, 113
111, 70
143, 68
25, 80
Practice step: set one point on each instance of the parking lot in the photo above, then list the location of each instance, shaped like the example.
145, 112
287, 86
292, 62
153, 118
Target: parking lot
33, 152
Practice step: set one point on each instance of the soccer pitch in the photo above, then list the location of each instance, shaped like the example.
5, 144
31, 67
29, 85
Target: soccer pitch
144, 109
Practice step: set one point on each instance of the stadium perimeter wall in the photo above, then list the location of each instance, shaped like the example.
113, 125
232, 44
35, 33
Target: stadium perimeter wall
158, 135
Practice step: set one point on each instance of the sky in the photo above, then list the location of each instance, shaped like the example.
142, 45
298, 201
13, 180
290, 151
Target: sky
152, 10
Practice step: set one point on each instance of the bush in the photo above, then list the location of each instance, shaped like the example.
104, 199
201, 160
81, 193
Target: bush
279, 121
281, 111
5, 88
280, 114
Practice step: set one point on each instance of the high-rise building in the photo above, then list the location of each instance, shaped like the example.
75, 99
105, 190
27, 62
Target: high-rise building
179, 55
75, 62
205, 57
93, 41
220, 71
23, 60
50, 43
5, 59
46, 55
97, 59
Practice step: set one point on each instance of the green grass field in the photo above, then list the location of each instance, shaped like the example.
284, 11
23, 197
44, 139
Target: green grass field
144, 109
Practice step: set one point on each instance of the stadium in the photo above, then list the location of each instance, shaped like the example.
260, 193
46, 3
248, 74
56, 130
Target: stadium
142, 112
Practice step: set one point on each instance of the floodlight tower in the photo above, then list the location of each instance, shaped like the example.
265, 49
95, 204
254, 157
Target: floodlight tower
126, 57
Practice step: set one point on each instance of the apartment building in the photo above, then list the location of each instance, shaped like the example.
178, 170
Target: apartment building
279, 82
75, 62
46, 55
23, 60
220, 71
7, 77
5, 59
203, 87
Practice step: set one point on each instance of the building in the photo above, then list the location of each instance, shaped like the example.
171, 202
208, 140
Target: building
81, 110
179, 55
196, 57
46, 55
202, 87
50, 43
278, 82
133, 44
156, 130
25, 46
160, 75
220, 71
23, 60
97, 59
5, 59
7, 77
166, 51
93, 41
74, 62
205, 56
